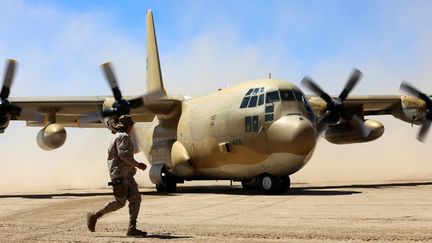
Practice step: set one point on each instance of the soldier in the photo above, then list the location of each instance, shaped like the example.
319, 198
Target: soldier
121, 165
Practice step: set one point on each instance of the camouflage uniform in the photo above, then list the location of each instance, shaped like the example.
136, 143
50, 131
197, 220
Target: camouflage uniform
121, 164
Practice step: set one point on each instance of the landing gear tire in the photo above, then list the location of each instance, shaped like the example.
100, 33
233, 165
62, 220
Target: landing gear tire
285, 184
270, 184
169, 184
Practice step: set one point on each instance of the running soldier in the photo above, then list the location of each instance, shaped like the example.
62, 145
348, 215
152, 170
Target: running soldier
121, 166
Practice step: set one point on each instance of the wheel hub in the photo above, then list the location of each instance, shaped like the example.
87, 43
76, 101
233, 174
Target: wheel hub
267, 183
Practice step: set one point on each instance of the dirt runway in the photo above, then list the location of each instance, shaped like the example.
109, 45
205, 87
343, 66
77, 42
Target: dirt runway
382, 212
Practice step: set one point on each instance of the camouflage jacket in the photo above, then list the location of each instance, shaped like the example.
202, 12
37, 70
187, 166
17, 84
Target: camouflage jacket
121, 162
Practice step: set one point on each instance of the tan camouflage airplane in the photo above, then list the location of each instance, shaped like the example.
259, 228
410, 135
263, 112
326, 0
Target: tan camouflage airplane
259, 131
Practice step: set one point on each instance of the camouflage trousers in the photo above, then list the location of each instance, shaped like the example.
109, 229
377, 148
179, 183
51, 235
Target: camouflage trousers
127, 190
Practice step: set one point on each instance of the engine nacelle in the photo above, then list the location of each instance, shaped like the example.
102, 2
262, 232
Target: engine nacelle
108, 122
344, 133
51, 137
410, 110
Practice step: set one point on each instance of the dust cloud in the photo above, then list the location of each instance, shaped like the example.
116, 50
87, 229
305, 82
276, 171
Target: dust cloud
397, 155
81, 162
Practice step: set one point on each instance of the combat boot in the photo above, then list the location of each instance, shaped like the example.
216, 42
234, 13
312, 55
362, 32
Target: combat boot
133, 231
92, 219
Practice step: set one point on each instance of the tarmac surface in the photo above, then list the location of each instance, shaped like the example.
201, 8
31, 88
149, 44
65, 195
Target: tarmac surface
345, 212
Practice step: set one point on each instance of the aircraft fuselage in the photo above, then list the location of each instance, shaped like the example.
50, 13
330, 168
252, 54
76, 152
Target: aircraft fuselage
237, 133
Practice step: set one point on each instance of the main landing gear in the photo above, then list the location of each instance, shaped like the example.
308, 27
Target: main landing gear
269, 184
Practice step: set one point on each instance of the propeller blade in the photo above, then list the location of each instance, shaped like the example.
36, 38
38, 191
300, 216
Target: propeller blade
108, 112
308, 82
424, 131
140, 101
112, 81
358, 123
323, 123
8, 78
408, 88
353, 80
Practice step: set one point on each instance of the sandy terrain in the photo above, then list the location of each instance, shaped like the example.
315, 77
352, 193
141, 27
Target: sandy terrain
384, 211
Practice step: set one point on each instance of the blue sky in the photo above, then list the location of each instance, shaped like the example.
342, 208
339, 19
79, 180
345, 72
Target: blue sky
205, 45
289, 38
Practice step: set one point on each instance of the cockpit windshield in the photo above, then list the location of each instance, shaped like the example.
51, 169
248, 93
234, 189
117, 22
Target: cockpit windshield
294, 95
287, 95
272, 97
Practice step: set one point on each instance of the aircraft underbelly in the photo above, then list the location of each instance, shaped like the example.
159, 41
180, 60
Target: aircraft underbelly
275, 164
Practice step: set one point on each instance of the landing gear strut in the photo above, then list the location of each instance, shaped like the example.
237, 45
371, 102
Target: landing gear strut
271, 184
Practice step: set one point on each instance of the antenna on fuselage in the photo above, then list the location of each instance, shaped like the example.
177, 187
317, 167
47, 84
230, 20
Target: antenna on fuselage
270, 75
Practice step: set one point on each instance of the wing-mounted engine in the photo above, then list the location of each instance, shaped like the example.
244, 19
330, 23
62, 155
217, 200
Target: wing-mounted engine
334, 112
421, 108
346, 133
109, 121
411, 110
51, 137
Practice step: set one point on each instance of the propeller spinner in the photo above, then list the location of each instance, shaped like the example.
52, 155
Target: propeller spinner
335, 106
428, 113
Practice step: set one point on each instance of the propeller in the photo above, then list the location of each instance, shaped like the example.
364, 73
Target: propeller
120, 106
428, 113
335, 106
6, 108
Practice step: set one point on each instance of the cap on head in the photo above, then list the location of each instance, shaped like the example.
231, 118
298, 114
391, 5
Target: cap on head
125, 121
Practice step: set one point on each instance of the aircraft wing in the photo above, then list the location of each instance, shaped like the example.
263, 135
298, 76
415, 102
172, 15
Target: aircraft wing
69, 111
366, 105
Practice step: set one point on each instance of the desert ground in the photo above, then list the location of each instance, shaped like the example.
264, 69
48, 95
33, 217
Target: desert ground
386, 211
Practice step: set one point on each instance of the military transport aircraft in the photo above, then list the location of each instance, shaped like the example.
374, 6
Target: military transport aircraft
258, 131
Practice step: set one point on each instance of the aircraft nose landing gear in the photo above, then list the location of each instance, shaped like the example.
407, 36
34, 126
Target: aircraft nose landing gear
271, 184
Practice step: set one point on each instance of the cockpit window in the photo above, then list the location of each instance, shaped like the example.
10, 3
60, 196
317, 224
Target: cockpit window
253, 97
287, 95
272, 97
299, 96
253, 101
261, 99
245, 102
255, 91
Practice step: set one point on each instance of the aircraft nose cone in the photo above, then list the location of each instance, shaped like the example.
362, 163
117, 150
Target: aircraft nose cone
291, 134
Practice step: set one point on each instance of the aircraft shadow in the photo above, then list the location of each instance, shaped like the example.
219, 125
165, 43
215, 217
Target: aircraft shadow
372, 186
238, 190
338, 190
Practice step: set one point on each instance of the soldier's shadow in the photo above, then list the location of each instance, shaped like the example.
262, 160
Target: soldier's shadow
152, 236
167, 237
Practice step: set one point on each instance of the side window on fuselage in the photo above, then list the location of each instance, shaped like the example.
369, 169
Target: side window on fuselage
251, 124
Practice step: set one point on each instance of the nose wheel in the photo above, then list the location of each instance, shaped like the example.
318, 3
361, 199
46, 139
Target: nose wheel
271, 184
169, 183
